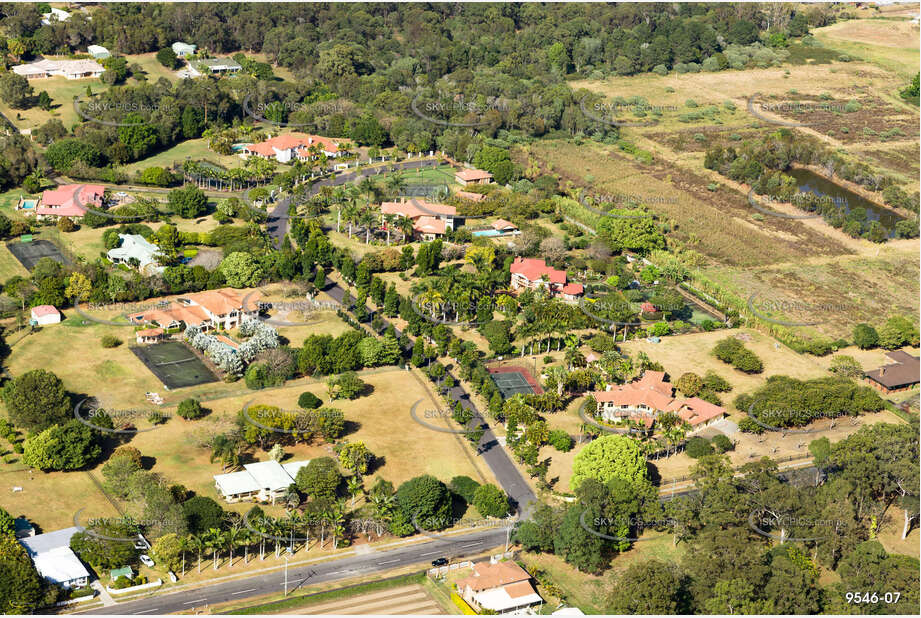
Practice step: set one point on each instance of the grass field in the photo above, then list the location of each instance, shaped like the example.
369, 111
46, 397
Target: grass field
194, 149
892, 44
381, 420
62, 92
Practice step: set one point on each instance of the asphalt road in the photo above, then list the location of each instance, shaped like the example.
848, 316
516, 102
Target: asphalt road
324, 571
277, 222
489, 448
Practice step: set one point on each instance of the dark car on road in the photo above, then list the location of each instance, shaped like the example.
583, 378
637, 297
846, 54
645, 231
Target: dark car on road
439, 562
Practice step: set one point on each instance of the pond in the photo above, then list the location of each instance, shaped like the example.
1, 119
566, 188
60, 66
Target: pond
809, 182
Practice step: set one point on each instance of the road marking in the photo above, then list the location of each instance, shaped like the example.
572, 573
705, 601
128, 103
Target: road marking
146, 611
389, 561
198, 601
430, 553
472, 544
243, 591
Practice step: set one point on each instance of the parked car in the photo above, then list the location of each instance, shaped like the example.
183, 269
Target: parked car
439, 562
146, 560
172, 577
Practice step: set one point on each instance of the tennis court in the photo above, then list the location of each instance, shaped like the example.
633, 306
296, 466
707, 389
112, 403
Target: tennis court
29, 253
174, 364
513, 380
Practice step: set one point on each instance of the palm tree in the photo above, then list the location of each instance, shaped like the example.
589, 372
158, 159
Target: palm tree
406, 228
196, 543
390, 222
351, 214
366, 219
395, 184
233, 537
213, 539
227, 450
337, 521
185, 544
355, 486
367, 187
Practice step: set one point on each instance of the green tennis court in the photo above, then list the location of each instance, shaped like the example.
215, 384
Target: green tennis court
174, 364
510, 384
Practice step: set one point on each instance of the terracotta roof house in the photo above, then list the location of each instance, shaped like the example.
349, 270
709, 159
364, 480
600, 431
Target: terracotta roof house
470, 195
503, 587
501, 225
221, 308
430, 220
644, 399
45, 314
900, 375
71, 69
67, 201
533, 273
300, 146
149, 335
472, 177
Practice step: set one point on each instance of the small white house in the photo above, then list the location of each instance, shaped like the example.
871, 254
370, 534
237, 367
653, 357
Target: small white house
54, 560
183, 49
263, 481
98, 51
54, 15
43, 315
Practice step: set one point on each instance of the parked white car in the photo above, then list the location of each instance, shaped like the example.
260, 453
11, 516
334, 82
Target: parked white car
146, 560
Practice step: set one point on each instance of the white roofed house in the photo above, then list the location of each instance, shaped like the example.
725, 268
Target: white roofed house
54, 560
138, 252
71, 69
183, 49
503, 587
54, 15
263, 481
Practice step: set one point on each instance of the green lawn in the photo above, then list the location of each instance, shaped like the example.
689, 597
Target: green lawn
195, 149
62, 92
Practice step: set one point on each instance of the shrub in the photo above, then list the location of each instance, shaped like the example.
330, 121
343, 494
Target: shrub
731, 351
190, 409
698, 447
560, 440
721, 443
660, 69
110, 341
309, 401
465, 487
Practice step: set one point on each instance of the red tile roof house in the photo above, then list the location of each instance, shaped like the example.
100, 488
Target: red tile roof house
472, 177
68, 201
503, 587
429, 220
45, 314
532, 274
301, 146
644, 399
211, 309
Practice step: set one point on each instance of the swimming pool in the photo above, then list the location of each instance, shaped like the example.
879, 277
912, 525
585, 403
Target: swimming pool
486, 233
238, 147
28, 204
